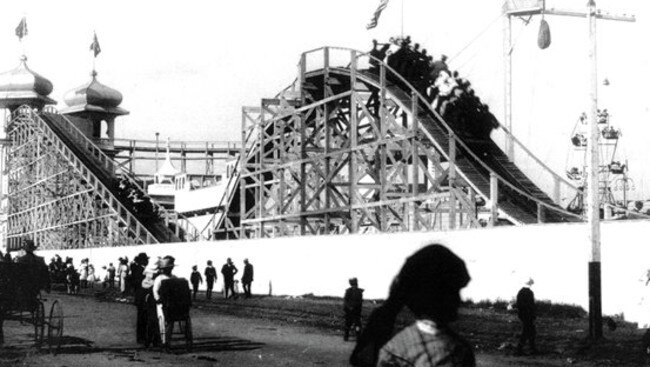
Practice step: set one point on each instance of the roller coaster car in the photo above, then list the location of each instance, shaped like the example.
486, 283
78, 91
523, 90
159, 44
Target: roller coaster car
574, 174
583, 118
177, 300
610, 133
576, 205
603, 117
617, 168
579, 140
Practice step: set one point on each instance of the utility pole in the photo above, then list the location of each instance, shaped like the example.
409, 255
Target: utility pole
157, 145
593, 205
593, 202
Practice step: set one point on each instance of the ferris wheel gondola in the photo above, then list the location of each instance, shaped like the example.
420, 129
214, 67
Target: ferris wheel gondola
612, 173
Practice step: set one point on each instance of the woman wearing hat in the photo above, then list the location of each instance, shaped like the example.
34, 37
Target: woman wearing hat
165, 266
429, 285
151, 331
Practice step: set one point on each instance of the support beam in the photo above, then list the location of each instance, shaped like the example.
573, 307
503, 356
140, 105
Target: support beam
415, 157
353, 131
494, 199
507, 66
452, 180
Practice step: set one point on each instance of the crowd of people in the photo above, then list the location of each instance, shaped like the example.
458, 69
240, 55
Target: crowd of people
125, 278
449, 94
428, 284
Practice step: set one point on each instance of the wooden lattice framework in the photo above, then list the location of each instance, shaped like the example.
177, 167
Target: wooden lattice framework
56, 200
347, 163
325, 159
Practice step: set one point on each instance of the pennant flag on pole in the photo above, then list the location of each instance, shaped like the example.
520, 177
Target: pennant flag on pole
21, 30
375, 17
94, 47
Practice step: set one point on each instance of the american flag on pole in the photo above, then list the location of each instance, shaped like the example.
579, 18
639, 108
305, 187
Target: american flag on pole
21, 29
94, 47
375, 17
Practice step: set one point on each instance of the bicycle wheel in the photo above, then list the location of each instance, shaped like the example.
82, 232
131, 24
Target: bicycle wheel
38, 320
55, 327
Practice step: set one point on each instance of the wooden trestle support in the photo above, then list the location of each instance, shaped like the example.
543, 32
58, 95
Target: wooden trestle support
351, 162
54, 198
349, 149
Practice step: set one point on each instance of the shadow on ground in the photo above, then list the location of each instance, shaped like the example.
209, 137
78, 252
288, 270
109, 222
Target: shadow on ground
74, 345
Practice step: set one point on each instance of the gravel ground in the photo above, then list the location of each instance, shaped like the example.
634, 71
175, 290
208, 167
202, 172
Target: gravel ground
275, 331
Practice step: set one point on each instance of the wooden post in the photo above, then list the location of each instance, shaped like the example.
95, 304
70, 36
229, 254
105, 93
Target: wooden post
452, 180
494, 199
352, 164
383, 174
259, 166
242, 178
328, 133
507, 65
415, 159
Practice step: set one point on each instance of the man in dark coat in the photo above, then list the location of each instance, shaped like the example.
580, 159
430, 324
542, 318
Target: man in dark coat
195, 279
526, 313
247, 278
228, 270
210, 277
352, 302
137, 276
38, 273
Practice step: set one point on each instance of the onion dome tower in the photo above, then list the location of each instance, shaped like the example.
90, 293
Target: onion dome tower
92, 104
22, 86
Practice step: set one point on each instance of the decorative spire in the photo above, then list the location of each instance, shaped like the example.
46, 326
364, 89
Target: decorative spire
167, 168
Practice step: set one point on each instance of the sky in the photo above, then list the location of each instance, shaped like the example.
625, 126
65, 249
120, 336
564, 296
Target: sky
186, 68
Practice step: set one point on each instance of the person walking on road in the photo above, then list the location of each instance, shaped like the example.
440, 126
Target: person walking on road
228, 270
526, 313
210, 277
247, 278
352, 303
195, 279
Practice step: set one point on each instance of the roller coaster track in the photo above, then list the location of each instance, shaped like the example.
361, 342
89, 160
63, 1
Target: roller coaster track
475, 166
89, 211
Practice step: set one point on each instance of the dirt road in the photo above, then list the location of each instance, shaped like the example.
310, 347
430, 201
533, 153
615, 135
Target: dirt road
102, 334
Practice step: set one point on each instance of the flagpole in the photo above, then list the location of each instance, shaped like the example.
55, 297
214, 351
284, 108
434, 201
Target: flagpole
402, 18
22, 43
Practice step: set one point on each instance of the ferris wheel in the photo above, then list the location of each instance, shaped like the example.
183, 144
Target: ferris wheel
613, 181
